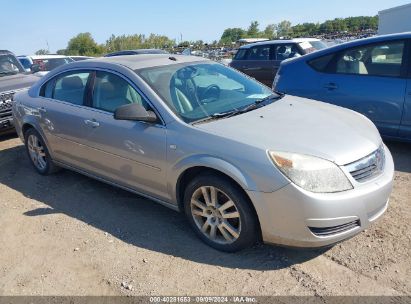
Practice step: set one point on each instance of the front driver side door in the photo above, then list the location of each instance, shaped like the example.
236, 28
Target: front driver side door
129, 153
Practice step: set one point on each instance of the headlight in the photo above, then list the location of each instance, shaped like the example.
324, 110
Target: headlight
311, 173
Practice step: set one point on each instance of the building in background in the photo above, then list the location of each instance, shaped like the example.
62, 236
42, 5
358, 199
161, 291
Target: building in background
395, 20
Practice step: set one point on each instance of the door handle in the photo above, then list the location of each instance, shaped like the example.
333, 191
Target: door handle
92, 123
331, 86
251, 69
42, 110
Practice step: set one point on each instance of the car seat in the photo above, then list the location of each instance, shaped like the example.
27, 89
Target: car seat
166, 87
72, 90
352, 64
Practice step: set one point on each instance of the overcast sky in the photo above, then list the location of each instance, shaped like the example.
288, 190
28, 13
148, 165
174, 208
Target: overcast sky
26, 26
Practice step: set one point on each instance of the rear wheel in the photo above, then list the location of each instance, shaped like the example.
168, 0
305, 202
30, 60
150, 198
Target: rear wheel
38, 153
220, 213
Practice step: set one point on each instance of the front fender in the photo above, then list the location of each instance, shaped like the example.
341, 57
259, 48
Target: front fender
212, 162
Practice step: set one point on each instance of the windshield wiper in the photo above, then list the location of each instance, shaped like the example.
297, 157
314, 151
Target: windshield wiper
256, 104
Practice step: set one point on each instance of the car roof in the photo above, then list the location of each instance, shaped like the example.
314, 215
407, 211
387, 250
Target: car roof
135, 62
279, 41
5, 52
34, 57
138, 51
353, 43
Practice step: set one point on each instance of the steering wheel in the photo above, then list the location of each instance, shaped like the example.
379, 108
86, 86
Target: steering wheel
211, 93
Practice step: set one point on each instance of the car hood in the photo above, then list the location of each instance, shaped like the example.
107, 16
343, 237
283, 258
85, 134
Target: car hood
16, 82
299, 125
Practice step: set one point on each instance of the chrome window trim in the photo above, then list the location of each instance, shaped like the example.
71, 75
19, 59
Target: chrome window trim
91, 69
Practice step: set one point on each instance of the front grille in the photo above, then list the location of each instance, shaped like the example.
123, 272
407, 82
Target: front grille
327, 231
368, 167
6, 99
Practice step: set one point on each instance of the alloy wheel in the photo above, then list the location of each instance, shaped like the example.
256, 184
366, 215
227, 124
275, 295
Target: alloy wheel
216, 215
36, 152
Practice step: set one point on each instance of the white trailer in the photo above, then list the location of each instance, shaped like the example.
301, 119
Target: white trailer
395, 20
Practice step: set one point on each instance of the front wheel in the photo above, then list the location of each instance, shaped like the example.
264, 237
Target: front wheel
220, 213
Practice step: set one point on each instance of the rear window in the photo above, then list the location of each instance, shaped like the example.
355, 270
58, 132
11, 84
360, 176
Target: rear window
240, 55
52, 63
312, 46
320, 64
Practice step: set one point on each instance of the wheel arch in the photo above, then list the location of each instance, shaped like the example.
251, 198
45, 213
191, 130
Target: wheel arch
27, 124
189, 173
186, 169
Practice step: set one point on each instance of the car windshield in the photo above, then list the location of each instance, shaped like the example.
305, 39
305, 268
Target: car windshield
51, 63
199, 91
9, 65
312, 46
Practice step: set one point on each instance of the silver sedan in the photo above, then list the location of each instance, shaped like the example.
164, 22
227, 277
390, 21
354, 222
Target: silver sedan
243, 163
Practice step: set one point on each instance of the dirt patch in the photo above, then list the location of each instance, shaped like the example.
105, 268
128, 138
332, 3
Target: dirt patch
67, 234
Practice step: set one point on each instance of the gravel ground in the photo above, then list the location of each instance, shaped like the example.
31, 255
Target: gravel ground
67, 234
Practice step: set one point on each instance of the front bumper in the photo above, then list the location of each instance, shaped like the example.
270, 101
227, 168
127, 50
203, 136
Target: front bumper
294, 217
6, 124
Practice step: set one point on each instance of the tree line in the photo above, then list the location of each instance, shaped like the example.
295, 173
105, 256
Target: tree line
84, 44
286, 30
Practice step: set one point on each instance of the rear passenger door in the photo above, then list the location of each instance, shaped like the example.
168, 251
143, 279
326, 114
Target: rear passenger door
371, 80
62, 116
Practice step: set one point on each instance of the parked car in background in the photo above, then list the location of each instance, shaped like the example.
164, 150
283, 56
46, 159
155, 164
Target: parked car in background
261, 60
136, 52
371, 76
240, 161
26, 62
46, 63
79, 58
13, 78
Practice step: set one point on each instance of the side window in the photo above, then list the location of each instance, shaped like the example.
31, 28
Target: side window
112, 91
47, 89
71, 87
383, 59
261, 52
240, 55
285, 51
320, 64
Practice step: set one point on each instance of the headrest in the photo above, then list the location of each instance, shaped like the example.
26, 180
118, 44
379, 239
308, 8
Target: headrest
72, 83
107, 90
282, 49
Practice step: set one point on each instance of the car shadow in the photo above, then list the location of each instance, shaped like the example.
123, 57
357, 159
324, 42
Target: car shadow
401, 153
131, 218
8, 135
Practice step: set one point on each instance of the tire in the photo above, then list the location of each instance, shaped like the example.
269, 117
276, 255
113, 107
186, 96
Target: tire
223, 230
38, 153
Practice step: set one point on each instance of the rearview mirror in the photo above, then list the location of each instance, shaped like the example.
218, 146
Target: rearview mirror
134, 111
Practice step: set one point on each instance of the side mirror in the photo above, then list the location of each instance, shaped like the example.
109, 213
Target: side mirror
35, 68
134, 111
